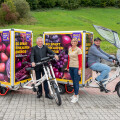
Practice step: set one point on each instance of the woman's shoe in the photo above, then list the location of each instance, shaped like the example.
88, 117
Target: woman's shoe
74, 99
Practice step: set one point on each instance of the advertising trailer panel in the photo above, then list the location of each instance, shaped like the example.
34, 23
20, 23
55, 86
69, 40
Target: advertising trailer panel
5, 57
61, 40
15, 48
23, 44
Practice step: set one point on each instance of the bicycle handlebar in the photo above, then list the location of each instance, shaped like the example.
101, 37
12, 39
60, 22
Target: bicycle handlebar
113, 58
43, 60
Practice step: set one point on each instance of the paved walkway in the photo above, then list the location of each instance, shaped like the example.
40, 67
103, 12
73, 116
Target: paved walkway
92, 105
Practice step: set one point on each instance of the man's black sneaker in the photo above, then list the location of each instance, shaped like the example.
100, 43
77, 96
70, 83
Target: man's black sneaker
39, 95
48, 96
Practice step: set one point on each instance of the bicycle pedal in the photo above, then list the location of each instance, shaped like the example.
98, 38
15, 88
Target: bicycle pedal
107, 91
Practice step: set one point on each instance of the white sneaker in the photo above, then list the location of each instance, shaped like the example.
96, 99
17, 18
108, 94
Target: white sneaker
75, 99
72, 97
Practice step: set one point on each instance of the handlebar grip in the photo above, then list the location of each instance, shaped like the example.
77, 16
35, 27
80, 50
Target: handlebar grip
51, 56
113, 58
61, 52
25, 62
29, 68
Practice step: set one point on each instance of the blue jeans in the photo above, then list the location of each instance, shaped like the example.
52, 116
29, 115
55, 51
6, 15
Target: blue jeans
103, 69
75, 77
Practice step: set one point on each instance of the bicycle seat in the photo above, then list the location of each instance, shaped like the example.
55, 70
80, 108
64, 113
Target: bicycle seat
29, 68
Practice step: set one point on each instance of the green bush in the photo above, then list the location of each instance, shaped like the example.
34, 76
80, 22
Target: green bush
23, 8
86, 3
33, 4
11, 5
111, 2
47, 3
1, 1
7, 16
70, 4
95, 3
103, 3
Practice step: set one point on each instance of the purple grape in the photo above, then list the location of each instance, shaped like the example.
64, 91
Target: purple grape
54, 37
61, 55
57, 74
58, 63
47, 36
61, 74
61, 66
65, 60
65, 56
47, 40
61, 62
55, 69
62, 58
56, 41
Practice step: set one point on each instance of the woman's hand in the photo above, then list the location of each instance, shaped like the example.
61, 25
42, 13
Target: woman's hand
67, 69
79, 72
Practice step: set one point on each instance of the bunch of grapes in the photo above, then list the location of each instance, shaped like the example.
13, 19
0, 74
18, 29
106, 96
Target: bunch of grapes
60, 65
22, 57
4, 60
52, 38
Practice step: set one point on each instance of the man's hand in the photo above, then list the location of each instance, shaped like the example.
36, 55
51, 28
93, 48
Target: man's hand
56, 57
114, 61
33, 64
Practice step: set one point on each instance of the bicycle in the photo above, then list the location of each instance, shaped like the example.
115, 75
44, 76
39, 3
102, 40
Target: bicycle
104, 82
112, 37
49, 76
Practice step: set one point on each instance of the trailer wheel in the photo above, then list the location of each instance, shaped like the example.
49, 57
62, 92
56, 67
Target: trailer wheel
3, 91
118, 90
62, 88
69, 88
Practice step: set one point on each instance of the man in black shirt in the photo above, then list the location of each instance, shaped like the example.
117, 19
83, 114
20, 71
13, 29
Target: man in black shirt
40, 51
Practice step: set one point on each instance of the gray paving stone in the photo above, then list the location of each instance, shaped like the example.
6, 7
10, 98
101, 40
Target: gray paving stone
92, 105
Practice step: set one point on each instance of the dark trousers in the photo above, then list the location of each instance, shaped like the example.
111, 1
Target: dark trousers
75, 77
39, 73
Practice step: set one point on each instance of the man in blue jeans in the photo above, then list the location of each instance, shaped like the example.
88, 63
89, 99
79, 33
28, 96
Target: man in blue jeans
94, 55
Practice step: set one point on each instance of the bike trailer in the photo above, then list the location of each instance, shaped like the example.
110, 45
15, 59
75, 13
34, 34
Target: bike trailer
61, 40
15, 48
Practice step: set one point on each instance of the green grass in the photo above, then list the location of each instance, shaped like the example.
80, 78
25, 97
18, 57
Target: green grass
80, 19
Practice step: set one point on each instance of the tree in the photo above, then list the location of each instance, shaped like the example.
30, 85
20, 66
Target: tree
70, 4
7, 16
23, 8
47, 3
33, 4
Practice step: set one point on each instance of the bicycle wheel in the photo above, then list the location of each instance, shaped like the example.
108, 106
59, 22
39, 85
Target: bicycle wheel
62, 88
56, 94
118, 90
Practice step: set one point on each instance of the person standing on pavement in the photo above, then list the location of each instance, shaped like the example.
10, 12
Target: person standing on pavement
95, 53
40, 51
74, 67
